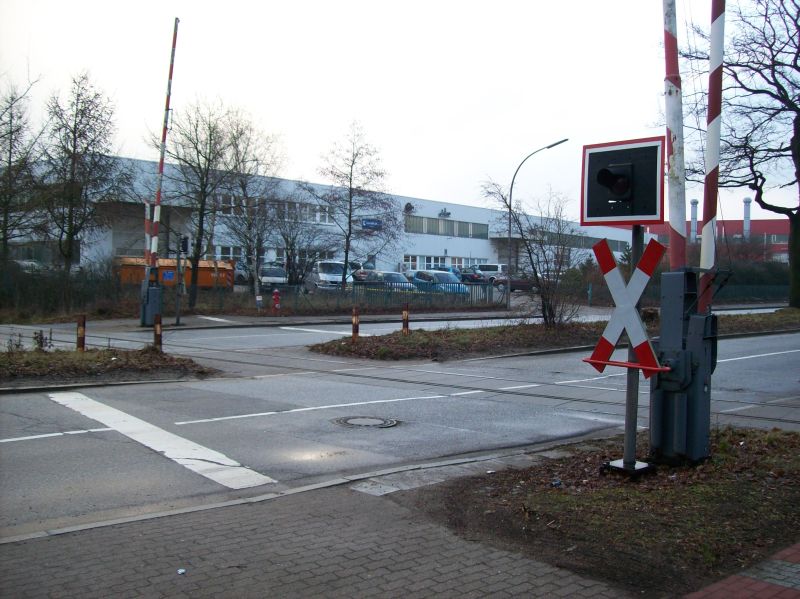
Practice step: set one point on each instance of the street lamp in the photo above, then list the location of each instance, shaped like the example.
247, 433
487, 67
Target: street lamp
510, 198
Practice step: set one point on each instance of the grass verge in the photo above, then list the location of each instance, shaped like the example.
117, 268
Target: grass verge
456, 343
661, 535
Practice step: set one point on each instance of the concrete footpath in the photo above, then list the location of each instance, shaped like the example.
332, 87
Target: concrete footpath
344, 538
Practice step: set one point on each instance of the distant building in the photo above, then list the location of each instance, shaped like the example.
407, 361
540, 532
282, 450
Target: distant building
767, 239
435, 233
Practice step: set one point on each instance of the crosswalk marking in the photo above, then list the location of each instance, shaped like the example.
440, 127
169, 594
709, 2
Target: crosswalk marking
197, 458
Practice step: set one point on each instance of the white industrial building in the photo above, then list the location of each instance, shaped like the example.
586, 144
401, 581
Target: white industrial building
436, 233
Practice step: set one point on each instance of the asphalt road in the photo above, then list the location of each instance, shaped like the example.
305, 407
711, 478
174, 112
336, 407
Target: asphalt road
284, 418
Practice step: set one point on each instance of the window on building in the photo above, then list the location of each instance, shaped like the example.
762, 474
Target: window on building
431, 261
227, 252
410, 262
457, 262
462, 229
480, 231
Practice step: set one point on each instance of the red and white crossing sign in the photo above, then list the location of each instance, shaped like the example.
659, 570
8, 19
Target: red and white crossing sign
625, 316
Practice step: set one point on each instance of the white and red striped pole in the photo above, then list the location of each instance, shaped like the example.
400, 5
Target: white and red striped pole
676, 170
707, 246
151, 253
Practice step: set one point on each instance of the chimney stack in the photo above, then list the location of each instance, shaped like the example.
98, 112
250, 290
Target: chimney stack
693, 230
746, 227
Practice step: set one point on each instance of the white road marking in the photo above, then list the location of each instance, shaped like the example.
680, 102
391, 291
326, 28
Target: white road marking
322, 331
776, 353
594, 378
469, 392
520, 387
740, 409
311, 409
49, 435
215, 319
202, 460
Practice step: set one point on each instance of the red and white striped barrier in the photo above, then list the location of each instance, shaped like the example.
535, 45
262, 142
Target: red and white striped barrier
626, 316
707, 246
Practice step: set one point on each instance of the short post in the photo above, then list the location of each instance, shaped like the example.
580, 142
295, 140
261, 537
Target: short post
406, 330
81, 344
632, 389
157, 332
355, 323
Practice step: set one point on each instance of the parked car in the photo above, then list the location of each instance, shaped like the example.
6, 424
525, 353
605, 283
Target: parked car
326, 275
30, 266
492, 271
453, 269
473, 275
435, 281
360, 270
517, 283
272, 276
380, 279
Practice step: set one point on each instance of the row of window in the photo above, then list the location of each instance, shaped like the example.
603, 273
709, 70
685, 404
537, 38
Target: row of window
446, 227
427, 262
301, 211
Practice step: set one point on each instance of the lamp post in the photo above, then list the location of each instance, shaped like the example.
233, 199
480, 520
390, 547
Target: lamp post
510, 198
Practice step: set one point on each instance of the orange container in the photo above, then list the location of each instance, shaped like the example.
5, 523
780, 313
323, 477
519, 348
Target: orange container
211, 273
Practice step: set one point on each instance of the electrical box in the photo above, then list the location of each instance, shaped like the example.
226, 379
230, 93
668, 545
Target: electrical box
680, 399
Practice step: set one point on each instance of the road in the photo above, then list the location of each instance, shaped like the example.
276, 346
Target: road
283, 418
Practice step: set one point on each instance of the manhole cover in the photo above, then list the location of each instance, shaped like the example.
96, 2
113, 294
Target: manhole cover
354, 421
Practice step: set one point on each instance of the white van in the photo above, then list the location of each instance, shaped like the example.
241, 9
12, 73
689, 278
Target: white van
492, 270
326, 276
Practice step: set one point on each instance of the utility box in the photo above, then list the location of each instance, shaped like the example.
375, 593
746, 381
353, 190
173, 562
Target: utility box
680, 399
152, 298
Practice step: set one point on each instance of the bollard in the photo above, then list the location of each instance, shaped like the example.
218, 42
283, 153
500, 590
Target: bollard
81, 344
406, 330
157, 332
355, 323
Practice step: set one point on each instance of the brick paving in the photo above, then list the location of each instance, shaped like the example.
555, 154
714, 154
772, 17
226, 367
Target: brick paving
332, 542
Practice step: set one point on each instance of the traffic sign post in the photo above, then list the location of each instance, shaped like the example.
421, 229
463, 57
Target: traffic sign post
623, 183
625, 317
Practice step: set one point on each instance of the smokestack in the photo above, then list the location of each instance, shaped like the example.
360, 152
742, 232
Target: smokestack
746, 231
693, 230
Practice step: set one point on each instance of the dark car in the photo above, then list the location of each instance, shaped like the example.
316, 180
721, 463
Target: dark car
379, 279
473, 275
518, 283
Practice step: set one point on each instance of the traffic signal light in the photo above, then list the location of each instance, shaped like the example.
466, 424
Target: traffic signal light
618, 180
184, 244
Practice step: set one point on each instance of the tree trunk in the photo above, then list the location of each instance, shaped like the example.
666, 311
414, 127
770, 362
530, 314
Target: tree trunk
794, 260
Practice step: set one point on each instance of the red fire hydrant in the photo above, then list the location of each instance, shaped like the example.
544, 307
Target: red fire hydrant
276, 302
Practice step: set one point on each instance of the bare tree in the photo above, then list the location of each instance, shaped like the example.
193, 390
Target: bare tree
549, 245
254, 158
80, 171
365, 218
19, 212
761, 109
302, 241
198, 146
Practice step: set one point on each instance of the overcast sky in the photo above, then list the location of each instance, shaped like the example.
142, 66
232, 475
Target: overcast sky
453, 93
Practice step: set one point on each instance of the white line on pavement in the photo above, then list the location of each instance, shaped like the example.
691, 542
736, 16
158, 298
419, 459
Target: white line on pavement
202, 460
520, 387
776, 353
311, 409
48, 435
322, 331
215, 319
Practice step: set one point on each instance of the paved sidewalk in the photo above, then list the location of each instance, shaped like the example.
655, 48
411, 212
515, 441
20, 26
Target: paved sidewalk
345, 540
333, 542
